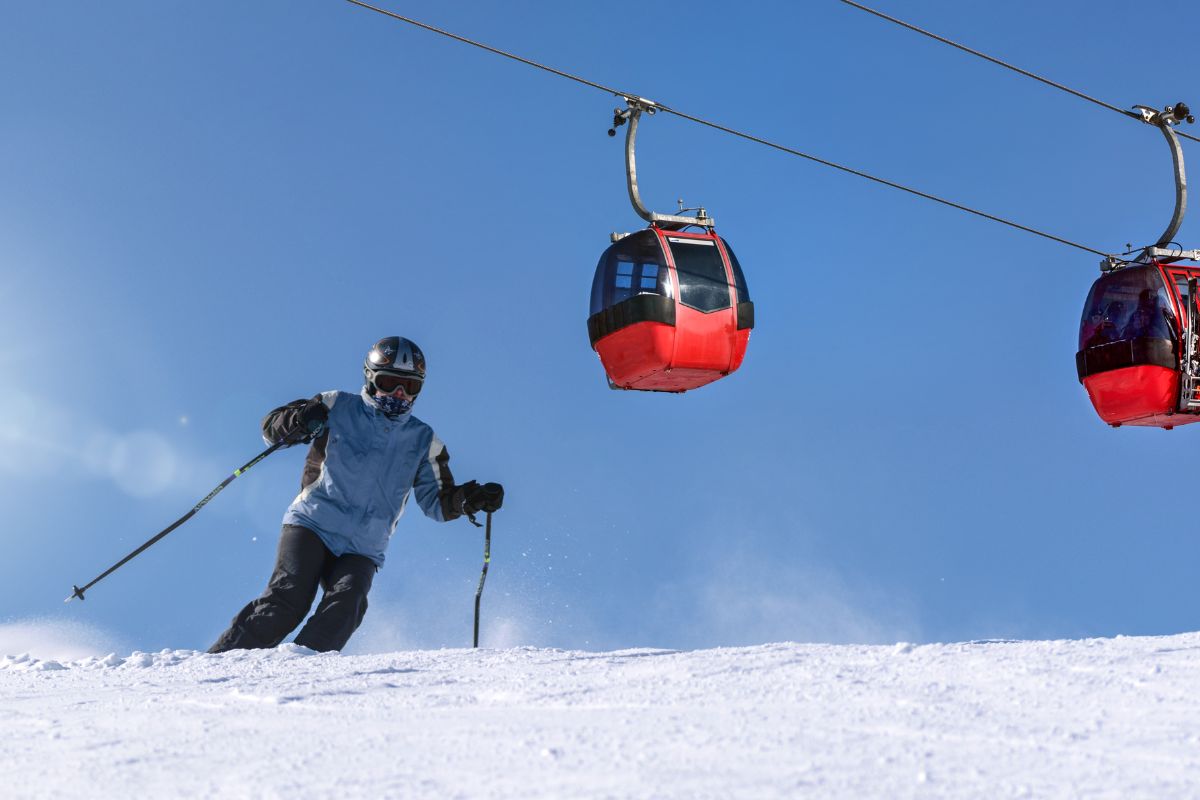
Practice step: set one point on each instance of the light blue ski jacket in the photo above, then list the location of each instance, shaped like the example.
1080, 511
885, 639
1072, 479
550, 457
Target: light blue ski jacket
360, 472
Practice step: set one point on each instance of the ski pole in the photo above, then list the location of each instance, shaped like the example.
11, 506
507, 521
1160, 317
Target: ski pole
487, 557
79, 591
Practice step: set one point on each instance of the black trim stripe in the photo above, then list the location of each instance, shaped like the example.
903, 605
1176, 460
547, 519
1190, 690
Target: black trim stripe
745, 315
1126, 353
639, 308
439, 461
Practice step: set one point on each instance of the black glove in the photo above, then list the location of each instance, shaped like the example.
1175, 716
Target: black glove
310, 421
491, 497
472, 498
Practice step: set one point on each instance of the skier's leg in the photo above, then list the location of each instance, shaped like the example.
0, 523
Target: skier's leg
342, 606
289, 594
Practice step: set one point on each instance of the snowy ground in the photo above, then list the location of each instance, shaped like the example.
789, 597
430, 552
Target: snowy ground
1113, 718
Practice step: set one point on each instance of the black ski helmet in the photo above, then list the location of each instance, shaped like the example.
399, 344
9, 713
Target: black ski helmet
395, 355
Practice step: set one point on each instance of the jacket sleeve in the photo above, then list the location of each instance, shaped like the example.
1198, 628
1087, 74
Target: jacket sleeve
434, 486
281, 421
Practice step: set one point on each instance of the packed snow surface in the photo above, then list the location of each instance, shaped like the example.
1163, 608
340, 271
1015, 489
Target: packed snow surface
1115, 718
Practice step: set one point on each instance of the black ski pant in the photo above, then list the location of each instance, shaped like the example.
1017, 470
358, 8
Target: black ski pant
302, 564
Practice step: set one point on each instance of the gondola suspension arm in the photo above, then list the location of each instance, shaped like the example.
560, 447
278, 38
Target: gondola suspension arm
630, 114
1165, 121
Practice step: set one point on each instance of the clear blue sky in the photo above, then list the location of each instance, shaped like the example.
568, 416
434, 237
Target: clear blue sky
209, 209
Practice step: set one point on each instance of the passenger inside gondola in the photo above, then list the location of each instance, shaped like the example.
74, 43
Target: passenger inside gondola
1105, 325
1150, 318
1130, 304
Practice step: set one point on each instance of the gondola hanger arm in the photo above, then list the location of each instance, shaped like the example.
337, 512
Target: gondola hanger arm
1165, 121
1161, 251
635, 107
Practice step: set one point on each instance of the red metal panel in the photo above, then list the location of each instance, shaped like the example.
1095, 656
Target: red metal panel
704, 341
740, 341
651, 356
1141, 395
636, 352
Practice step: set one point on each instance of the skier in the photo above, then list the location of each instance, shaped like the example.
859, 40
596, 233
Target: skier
368, 452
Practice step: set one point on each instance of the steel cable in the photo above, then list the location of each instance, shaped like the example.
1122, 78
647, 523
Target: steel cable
731, 131
1006, 65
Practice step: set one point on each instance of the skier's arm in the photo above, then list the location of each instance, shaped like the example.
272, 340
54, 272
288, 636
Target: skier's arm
296, 417
434, 486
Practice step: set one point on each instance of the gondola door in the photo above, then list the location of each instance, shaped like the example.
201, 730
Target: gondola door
1184, 281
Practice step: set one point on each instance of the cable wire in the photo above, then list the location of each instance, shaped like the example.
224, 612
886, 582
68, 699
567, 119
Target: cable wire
731, 131
1123, 112
489, 48
884, 181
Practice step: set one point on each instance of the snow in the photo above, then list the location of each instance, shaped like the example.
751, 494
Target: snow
1089, 718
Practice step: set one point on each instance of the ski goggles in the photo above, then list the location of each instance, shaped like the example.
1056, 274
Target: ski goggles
388, 382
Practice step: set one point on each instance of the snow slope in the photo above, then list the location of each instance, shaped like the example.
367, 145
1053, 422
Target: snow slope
1113, 718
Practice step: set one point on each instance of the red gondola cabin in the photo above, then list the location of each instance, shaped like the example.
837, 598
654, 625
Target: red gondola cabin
670, 310
1134, 349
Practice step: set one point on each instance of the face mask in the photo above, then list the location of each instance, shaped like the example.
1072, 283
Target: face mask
392, 405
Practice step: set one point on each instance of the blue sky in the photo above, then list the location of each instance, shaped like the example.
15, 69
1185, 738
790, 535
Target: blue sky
207, 210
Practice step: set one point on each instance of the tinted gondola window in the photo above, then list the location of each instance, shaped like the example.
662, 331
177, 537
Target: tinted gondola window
1128, 304
634, 265
702, 281
739, 279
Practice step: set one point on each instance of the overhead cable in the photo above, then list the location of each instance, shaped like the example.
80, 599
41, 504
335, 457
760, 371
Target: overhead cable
660, 107
1123, 112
